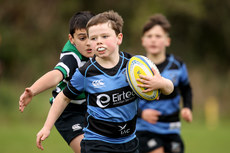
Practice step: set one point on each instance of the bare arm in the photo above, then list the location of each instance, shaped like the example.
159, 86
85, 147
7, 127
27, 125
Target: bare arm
47, 81
167, 87
58, 106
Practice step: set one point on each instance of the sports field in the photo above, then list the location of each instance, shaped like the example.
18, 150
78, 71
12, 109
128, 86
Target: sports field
18, 130
20, 137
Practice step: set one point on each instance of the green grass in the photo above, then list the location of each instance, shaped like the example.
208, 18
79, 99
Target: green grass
20, 136
18, 130
201, 138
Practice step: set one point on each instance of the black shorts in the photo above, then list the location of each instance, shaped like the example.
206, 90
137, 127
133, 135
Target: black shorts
71, 122
172, 143
92, 146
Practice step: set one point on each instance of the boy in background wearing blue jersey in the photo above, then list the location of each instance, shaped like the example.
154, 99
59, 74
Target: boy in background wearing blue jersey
74, 54
158, 123
111, 103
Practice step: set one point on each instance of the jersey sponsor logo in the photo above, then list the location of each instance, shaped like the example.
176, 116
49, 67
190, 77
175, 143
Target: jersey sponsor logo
76, 127
98, 83
123, 130
104, 100
111, 129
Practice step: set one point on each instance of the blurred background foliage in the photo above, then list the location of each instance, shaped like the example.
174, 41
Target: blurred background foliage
33, 32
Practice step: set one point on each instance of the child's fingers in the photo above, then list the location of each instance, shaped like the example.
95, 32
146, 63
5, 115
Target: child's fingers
143, 77
189, 118
147, 90
40, 138
155, 72
187, 115
21, 105
21, 108
143, 81
158, 98
38, 142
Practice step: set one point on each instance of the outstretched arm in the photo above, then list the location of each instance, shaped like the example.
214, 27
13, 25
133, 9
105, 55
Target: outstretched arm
156, 82
48, 80
58, 106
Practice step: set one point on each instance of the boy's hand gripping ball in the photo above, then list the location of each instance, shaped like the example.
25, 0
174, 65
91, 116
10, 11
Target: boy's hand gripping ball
140, 65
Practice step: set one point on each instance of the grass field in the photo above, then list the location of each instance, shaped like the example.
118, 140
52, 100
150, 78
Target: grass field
19, 136
202, 139
18, 130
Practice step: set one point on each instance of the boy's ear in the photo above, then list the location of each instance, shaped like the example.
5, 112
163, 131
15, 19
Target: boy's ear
168, 43
142, 41
120, 38
71, 39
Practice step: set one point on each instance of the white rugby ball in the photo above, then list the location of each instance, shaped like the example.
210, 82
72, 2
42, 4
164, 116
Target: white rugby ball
140, 65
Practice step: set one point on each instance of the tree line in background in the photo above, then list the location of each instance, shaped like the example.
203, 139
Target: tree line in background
33, 32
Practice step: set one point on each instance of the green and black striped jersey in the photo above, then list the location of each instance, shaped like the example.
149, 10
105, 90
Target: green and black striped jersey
70, 60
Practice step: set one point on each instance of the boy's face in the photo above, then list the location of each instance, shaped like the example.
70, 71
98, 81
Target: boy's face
155, 40
81, 42
103, 40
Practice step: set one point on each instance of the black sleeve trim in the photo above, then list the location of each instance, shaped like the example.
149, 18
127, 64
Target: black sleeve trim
70, 91
186, 92
139, 113
172, 95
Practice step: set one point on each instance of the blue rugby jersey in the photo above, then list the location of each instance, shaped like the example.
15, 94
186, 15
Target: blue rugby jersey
169, 105
70, 59
111, 103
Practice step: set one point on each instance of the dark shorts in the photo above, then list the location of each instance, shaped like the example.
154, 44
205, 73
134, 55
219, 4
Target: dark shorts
172, 143
71, 122
91, 146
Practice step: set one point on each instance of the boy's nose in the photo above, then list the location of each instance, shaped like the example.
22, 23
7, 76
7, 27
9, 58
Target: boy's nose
99, 41
87, 43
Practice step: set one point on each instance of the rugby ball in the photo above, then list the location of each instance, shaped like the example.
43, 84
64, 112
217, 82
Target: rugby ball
140, 65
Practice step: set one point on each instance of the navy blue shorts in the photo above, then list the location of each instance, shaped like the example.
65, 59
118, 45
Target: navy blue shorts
93, 146
172, 143
71, 122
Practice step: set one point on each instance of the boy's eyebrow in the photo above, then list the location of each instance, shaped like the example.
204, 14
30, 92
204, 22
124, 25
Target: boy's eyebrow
82, 34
